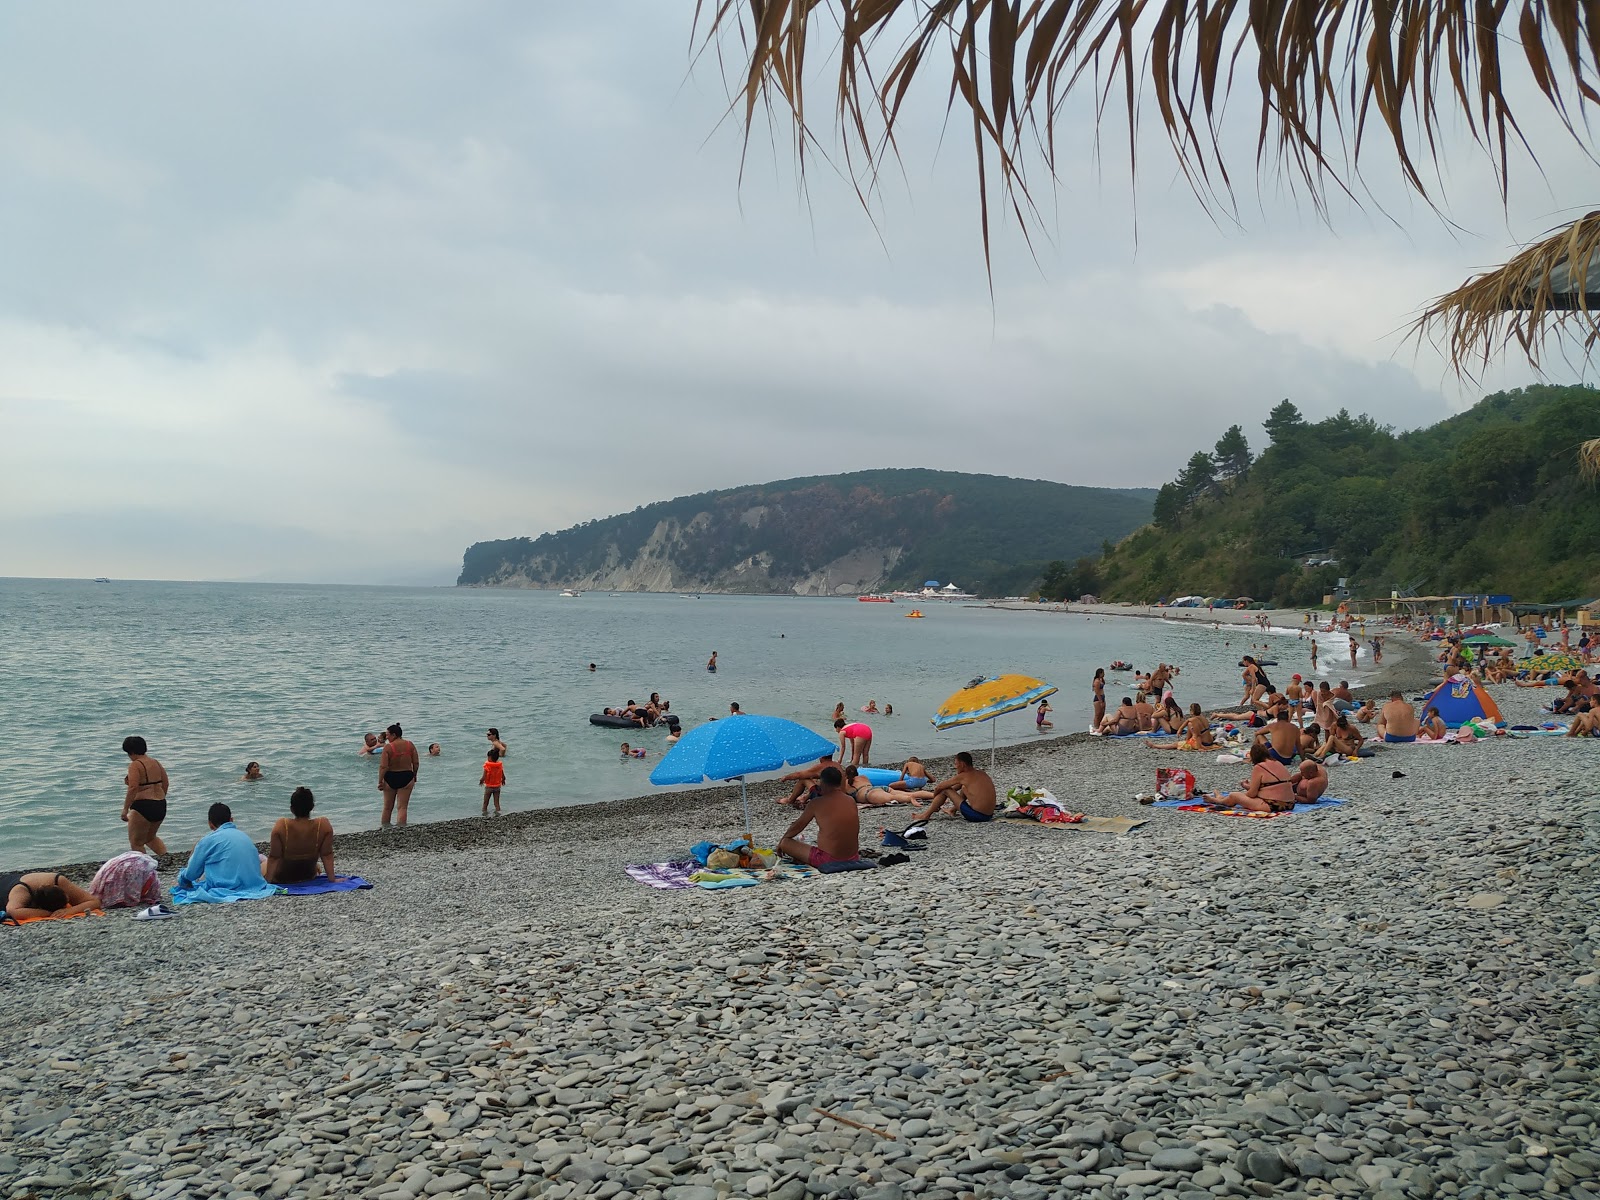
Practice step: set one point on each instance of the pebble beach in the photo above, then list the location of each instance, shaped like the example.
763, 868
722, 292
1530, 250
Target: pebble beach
1392, 998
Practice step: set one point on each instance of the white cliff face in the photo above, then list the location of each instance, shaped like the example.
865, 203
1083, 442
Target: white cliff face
655, 569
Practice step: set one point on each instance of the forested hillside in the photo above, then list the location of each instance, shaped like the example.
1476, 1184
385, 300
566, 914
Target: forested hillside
826, 534
1487, 501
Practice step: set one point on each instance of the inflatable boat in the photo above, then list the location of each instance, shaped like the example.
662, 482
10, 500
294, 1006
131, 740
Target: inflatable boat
614, 722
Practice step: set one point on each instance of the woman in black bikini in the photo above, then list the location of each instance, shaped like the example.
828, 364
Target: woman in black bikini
43, 894
869, 796
397, 775
1271, 788
1099, 686
145, 805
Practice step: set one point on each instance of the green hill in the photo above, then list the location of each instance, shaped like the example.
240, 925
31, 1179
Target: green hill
838, 534
1486, 501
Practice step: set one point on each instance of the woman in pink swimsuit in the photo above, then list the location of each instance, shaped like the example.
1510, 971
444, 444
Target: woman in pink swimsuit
855, 740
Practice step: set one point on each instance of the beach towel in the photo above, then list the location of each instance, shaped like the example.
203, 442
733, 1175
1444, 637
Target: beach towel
8, 919
1325, 802
1087, 824
664, 875
321, 885
735, 877
200, 893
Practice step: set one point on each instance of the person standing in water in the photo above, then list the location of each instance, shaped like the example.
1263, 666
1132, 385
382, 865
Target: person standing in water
144, 806
397, 775
711, 663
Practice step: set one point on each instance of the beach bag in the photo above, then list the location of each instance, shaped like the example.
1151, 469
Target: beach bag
1175, 783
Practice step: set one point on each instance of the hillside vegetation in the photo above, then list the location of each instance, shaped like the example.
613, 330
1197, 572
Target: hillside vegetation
826, 534
1490, 500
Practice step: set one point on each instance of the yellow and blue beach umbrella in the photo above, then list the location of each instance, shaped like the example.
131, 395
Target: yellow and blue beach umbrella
986, 698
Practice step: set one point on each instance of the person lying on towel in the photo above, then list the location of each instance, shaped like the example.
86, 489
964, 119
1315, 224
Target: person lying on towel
44, 894
838, 825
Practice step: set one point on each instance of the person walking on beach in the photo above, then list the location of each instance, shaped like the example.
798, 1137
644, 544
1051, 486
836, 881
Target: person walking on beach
144, 806
493, 779
1098, 686
1355, 648
855, 740
397, 775
1313, 654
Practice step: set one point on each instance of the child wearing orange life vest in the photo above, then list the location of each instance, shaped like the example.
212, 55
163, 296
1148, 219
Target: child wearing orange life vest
492, 779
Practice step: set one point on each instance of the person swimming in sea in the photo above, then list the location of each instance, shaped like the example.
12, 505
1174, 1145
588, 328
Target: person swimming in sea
252, 772
711, 663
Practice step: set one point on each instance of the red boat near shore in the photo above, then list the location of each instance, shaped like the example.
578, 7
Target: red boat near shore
875, 599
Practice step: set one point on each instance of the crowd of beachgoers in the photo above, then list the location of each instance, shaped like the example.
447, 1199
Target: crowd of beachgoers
1387, 991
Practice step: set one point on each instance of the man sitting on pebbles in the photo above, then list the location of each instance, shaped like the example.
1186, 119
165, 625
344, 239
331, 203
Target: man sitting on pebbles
969, 794
838, 826
1398, 720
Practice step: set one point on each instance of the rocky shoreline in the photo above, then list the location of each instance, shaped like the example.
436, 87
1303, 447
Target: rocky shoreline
1395, 998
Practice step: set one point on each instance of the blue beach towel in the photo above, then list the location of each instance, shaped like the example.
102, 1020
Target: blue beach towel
321, 886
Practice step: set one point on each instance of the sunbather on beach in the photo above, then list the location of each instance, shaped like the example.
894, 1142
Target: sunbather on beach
1124, 720
969, 793
225, 860
43, 894
1366, 713
1310, 739
299, 843
1398, 721
1196, 733
1169, 717
916, 776
1585, 722
805, 778
1145, 714
1270, 788
1433, 727
871, 796
1342, 738
838, 825
1310, 782
1281, 738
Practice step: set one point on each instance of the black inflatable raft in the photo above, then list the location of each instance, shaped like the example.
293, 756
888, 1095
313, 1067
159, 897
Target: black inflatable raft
611, 722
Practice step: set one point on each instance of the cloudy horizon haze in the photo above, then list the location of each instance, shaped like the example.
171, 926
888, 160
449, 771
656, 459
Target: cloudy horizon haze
326, 295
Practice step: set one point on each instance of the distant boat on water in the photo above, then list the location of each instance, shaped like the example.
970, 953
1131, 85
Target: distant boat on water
876, 599
101, 579
570, 594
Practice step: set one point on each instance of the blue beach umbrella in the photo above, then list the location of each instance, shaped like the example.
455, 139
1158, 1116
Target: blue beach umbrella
734, 747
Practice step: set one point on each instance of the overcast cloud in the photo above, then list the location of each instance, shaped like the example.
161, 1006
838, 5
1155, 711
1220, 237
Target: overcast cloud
300, 292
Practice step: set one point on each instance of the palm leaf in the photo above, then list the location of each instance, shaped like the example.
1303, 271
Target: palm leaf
1330, 78
1543, 290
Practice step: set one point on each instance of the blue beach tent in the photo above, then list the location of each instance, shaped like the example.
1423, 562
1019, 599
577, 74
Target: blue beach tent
1459, 700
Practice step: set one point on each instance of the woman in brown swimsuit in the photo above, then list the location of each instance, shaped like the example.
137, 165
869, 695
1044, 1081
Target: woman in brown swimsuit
299, 842
397, 775
145, 805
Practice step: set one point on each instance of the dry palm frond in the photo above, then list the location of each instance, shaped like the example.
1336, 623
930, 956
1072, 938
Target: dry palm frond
1589, 459
1331, 74
1543, 289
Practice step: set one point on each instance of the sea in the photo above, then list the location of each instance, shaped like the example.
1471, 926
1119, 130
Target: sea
214, 675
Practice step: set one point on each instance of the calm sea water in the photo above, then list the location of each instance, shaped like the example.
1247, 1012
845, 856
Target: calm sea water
214, 675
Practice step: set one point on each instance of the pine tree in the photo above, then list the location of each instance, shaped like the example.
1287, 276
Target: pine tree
1283, 422
1232, 454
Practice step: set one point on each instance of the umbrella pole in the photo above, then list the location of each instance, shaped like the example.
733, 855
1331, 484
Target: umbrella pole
744, 792
994, 736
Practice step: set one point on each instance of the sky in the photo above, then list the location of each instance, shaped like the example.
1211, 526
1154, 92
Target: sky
327, 293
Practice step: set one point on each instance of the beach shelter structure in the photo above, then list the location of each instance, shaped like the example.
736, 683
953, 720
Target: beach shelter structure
988, 697
1459, 700
734, 747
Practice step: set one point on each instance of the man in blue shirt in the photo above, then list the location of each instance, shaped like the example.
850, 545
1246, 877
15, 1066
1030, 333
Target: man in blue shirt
224, 867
